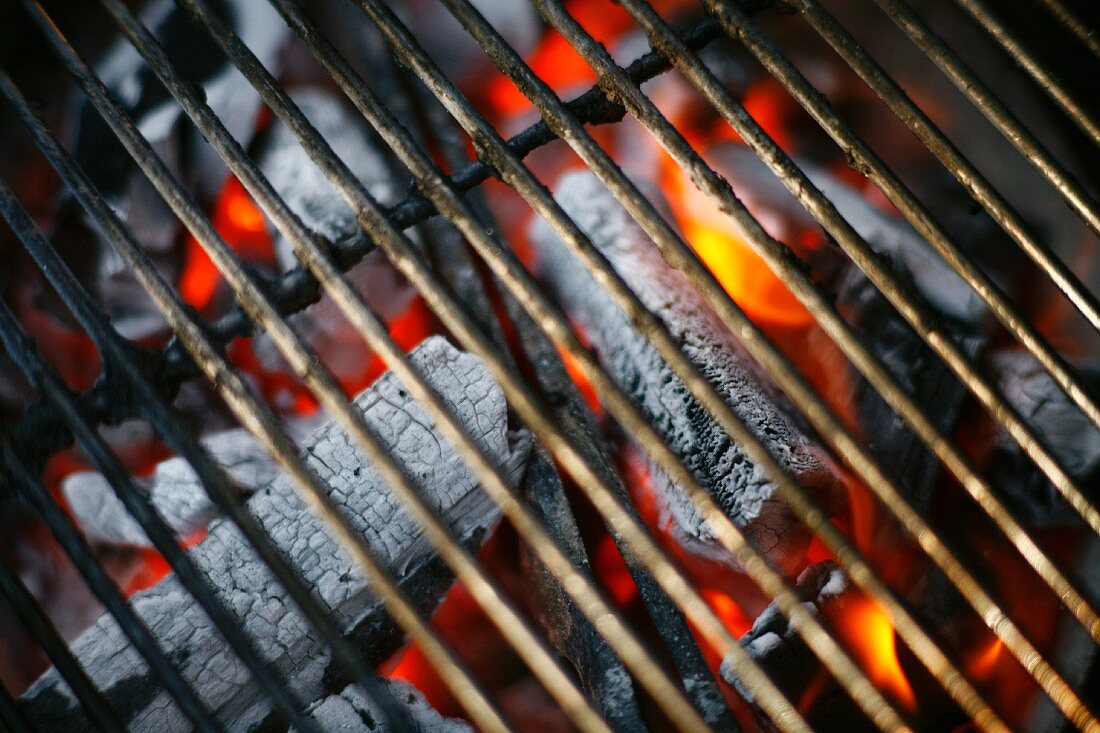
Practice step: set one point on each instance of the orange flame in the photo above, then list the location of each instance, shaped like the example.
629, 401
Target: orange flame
866, 627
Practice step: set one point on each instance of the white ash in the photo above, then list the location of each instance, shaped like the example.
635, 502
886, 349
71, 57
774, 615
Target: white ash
250, 591
174, 488
351, 711
304, 187
739, 485
776, 646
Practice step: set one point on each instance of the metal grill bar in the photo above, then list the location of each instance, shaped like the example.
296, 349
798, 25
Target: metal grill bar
952, 159
35, 620
106, 462
1078, 27
10, 715
297, 288
336, 402
213, 477
1026, 61
358, 314
927, 328
994, 110
1057, 687
74, 545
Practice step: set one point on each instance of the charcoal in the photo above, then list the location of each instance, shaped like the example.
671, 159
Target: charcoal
174, 489
1069, 435
196, 57
739, 486
776, 647
247, 587
914, 365
304, 187
351, 711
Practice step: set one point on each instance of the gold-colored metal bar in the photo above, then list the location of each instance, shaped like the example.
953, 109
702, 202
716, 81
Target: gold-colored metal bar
1086, 34
1037, 71
994, 110
979, 188
638, 105
545, 668
940, 341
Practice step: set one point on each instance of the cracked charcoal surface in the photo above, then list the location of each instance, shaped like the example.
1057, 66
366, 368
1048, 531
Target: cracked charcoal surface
737, 483
174, 488
351, 711
250, 591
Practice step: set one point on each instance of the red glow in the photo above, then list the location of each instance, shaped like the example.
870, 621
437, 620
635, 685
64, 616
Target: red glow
240, 222
609, 567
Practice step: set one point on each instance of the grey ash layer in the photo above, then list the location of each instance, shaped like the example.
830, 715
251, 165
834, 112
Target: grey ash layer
251, 592
739, 485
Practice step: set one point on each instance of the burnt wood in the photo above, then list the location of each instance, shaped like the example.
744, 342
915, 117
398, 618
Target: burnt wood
248, 588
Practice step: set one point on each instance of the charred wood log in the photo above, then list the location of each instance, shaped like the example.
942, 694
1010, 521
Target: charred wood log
351, 711
737, 483
248, 587
923, 375
1069, 435
174, 488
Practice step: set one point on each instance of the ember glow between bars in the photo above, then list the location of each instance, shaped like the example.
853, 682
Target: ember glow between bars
878, 365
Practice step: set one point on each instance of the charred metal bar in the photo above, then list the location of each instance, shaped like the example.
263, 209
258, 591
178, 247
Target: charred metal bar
38, 433
32, 490
38, 623
995, 111
374, 220
221, 490
53, 389
1026, 61
10, 715
933, 334
226, 558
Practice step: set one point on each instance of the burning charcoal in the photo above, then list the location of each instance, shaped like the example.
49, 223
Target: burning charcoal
197, 58
737, 484
778, 648
174, 489
351, 711
247, 587
301, 183
1070, 436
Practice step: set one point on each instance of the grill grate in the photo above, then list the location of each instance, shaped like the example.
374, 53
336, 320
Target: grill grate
202, 347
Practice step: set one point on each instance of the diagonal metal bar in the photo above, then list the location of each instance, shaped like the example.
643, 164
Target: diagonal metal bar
407, 47
11, 717
37, 434
994, 110
253, 414
35, 620
737, 24
101, 585
632, 652
826, 423
220, 488
952, 159
1023, 58
1087, 35
106, 462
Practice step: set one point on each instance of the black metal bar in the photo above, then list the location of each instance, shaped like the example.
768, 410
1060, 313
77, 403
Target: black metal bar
152, 403
107, 463
35, 620
38, 433
11, 717
74, 545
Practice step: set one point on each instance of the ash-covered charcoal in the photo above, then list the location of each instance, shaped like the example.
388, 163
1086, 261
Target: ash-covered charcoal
304, 187
1069, 435
738, 484
776, 647
174, 488
248, 588
916, 367
133, 84
351, 711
